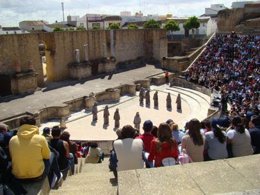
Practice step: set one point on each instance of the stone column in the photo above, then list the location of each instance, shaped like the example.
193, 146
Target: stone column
77, 55
112, 43
105, 49
86, 51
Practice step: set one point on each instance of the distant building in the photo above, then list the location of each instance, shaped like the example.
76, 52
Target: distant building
213, 10
97, 21
111, 20
140, 14
125, 13
241, 4
207, 26
11, 30
35, 26
138, 20
72, 20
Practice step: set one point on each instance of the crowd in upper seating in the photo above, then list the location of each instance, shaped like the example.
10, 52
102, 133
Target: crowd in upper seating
231, 64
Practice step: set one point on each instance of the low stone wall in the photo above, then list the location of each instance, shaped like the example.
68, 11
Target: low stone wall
24, 83
107, 67
183, 83
76, 104
80, 72
108, 95
128, 89
54, 112
86, 69
160, 80
145, 83
14, 122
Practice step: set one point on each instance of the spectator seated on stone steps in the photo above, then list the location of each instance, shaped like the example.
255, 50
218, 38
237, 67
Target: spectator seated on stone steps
95, 154
29, 152
239, 138
128, 150
73, 160
176, 133
147, 138
163, 147
231, 62
62, 147
46, 132
5, 137
193, 142
215, 142
254, 129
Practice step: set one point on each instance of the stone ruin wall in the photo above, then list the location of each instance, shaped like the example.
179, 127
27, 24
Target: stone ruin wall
18, 50
229, 19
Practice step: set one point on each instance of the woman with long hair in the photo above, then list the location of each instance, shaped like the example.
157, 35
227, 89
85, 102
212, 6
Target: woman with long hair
239, 138
194, 142
164, 146
215, 142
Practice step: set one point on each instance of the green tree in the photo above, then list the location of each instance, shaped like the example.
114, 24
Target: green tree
114, 26
191, 24
57, 29
172, 25
151, 24
96, 28
81, 28
132, 26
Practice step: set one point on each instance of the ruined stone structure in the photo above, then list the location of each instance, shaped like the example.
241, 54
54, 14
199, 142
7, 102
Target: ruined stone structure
21, 62
245, 20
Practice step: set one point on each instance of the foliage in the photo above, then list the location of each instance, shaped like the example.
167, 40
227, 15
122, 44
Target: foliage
172, 25
151, 24
81, 28
114, 26
58, 29
192, 23
132, 26
96, 28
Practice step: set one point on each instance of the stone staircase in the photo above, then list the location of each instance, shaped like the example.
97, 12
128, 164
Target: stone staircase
93, 179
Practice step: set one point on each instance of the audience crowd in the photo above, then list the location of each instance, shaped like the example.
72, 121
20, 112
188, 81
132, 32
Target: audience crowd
231, 64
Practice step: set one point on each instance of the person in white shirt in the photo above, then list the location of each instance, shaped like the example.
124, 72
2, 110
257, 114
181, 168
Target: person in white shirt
239, 138
128, 150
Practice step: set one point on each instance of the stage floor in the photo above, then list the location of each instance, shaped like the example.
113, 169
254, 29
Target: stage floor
194, 105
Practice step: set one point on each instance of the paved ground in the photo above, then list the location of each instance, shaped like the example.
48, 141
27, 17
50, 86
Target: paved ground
71, 90
230, 176
95, 179
194, 105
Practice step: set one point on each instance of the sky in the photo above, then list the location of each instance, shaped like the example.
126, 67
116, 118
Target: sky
14, 11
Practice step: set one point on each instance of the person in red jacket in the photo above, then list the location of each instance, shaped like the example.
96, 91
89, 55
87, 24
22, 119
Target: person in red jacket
147, 138
164, 147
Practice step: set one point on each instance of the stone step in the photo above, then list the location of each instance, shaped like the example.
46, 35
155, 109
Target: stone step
94, 179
